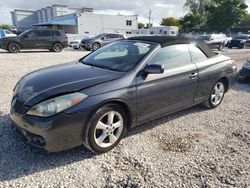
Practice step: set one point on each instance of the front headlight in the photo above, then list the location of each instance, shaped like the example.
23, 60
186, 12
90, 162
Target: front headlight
247, 65
55, 105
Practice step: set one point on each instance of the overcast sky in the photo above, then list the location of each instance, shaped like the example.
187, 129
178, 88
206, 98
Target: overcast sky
160, 8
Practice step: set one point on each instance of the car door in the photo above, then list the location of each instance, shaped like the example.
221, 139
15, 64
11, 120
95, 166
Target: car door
30, 40
158, 94
45, 39
108, 38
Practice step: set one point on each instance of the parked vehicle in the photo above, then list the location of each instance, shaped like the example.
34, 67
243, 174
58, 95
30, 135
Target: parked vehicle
119, 86
244, 73
100, 40
53, 40
6, 33
214, 41
239, 41
75, 44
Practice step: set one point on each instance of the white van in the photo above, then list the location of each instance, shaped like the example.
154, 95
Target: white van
6, 33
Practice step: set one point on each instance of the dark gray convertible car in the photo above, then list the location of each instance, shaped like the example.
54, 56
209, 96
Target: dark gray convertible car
94, 100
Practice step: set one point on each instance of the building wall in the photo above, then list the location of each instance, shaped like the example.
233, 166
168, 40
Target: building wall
44, 15
87, 22
93, 24
23, 19
49, 13
39, 16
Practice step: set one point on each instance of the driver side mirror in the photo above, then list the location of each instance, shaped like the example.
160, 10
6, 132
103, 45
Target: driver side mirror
154, 69
103, 38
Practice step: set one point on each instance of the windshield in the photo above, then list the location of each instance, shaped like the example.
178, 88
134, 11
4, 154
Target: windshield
241, 37
120, 56
98, 36
204, 37
24, 33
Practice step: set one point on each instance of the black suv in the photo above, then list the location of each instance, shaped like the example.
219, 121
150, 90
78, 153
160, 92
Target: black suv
239, 42
53, 40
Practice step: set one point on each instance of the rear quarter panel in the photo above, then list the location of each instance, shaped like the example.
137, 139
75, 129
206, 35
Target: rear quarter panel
210, 71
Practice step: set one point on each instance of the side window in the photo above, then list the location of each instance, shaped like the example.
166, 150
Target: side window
45, 33
196, 53
7, 32
56, 33
172, 56
108, 36
118, 36
32, 34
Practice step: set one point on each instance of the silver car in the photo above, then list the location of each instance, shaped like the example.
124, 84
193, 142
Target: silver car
100, 40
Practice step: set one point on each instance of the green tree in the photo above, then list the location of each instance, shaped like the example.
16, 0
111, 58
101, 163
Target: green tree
5, 26
141, 25
197, 6
170, 22
224, 14
191, 22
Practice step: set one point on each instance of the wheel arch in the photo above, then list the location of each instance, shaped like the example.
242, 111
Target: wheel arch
225, 81
96, 42
57, 42
120, 103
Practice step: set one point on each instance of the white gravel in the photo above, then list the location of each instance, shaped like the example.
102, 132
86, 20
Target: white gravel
192, 148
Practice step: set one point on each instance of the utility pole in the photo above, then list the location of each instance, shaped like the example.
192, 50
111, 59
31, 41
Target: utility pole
149, 19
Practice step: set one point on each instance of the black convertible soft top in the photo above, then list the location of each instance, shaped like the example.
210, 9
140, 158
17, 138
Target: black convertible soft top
171, 40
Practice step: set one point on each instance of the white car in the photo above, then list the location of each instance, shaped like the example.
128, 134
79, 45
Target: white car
6, 33
75, 44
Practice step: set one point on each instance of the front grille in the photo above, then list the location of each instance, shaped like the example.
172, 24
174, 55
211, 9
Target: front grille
18, 106
30, 138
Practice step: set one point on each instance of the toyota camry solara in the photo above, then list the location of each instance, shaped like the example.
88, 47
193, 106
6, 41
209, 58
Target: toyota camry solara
96, 99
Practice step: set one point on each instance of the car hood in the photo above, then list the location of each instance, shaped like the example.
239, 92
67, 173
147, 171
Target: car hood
9, 38
61, 79
89, 40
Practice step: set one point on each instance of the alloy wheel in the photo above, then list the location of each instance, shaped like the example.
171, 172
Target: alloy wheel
217, 94
96, 46
108, 129
14, 47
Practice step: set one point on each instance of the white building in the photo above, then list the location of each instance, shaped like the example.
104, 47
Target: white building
78, 21
160, 30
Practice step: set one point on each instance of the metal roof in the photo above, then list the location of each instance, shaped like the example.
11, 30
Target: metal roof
70, 21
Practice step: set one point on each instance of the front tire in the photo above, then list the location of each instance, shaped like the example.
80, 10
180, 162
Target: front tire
105, 129
57, 47
221, 47
95, 46
216, 96
14, 47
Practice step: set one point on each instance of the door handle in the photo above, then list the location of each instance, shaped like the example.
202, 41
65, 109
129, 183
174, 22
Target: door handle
193, 75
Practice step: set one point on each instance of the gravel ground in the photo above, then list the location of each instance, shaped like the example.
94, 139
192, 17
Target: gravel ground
192, 148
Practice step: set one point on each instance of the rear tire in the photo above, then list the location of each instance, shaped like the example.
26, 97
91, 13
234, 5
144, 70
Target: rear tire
216, 95
14, 47
57, 47
105, 129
